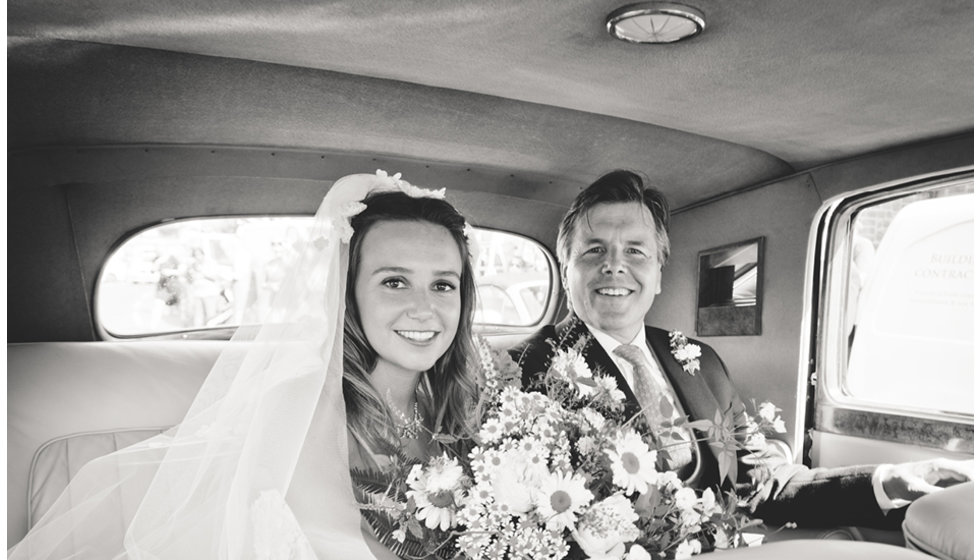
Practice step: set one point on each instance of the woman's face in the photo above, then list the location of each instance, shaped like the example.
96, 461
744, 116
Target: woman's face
408, 293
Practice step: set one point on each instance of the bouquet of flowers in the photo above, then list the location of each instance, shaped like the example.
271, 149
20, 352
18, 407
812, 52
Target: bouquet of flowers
560, 473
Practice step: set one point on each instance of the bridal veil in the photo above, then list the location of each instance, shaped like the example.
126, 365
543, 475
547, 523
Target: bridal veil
216, 485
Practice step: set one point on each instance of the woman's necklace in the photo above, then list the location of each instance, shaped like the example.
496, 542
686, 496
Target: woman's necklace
405, 428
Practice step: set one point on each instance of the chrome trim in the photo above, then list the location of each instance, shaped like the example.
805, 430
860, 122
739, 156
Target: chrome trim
650, 8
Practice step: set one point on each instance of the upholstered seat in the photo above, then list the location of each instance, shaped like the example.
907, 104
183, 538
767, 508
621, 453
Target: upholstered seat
941, 524
68, 402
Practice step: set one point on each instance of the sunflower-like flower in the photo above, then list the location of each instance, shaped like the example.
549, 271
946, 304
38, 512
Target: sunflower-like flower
437, 489
633, 463
563, 496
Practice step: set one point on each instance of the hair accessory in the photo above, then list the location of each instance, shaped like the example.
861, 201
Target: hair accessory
411, 190
355, 189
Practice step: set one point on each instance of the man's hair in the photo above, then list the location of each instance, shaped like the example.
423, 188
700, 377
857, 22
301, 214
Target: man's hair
616, 186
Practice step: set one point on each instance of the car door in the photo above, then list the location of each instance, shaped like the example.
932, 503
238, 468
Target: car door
890, 340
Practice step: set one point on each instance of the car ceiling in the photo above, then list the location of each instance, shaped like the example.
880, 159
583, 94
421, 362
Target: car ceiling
770, 88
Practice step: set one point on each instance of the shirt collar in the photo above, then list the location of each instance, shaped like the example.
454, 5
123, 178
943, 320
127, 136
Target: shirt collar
608, 343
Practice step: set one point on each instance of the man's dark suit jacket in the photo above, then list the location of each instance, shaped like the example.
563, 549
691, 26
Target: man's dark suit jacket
808, 497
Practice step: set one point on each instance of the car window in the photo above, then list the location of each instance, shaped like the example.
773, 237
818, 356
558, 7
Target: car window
203, 277
901, 296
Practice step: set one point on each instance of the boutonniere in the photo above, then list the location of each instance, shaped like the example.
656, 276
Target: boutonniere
684, 352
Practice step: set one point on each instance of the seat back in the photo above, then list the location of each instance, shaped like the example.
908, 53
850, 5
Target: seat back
69, 402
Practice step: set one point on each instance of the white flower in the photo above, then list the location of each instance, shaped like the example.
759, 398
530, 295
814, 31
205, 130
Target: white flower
669, 480
607, 386
516, 479
708, 502
592, 418
572, 368
399, 535
562, 498
605, 528
687, 549
491, 431
633, 463
686, 498
637, 552
685, 353
688, 352
443, 474
779, 426
767, 411
436, 489
586, 445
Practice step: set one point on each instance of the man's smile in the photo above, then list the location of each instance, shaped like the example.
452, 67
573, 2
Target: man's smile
615, 292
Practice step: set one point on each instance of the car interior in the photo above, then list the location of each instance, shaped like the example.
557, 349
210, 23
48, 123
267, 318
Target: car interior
817, 155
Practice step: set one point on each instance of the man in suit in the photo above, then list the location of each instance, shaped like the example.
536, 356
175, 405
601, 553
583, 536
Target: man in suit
612, 245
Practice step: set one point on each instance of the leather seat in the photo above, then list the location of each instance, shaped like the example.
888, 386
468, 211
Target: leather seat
941, 524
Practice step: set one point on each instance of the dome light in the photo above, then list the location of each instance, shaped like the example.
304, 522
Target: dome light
655, 22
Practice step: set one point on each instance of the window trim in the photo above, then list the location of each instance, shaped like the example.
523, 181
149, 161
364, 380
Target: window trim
827, 407
549, 312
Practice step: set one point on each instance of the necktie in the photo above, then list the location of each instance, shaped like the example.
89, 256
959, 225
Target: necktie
649, 388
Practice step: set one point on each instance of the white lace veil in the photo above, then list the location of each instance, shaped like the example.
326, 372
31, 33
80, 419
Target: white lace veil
215, 486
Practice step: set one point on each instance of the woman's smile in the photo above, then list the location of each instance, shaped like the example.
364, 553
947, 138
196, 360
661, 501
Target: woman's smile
419, 337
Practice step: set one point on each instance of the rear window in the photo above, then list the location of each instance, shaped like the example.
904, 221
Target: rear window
204, 277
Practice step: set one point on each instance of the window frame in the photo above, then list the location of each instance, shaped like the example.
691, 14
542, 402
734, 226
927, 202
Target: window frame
549, 312
828, 407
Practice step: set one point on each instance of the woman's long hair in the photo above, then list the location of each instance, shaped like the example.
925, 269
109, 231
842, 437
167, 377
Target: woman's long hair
448, 389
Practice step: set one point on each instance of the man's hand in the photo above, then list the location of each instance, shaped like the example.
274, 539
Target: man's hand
908, 481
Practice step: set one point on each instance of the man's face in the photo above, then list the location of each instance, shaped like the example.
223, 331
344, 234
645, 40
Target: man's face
612, 273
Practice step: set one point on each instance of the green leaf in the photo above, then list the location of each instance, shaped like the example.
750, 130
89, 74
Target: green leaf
415, 528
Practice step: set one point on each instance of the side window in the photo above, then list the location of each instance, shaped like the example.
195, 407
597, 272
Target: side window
909, 304
893, 357
202, 277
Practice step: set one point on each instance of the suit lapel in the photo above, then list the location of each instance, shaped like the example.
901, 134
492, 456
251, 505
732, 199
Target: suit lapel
692, 390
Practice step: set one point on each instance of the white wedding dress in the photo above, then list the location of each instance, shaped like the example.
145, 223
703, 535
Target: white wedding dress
258, 469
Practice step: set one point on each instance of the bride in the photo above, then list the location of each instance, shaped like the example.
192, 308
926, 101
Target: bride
367, 344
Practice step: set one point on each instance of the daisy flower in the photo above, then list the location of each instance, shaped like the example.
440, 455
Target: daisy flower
562, 498
572, 367
633, 463
436, 490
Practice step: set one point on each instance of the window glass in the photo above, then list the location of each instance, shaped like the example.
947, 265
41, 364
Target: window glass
208, 274
906, 287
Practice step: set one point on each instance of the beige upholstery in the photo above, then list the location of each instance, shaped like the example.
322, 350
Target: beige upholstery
941, 524
68, 402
